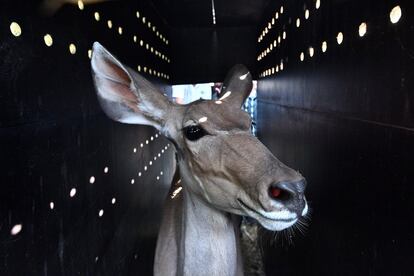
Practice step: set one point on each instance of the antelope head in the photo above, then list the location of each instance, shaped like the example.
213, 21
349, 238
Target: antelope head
220, 161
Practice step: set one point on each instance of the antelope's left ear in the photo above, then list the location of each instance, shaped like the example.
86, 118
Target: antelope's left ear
236, 86
124, 95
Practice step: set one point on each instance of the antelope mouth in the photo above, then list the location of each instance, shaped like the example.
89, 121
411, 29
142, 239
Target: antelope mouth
250, 210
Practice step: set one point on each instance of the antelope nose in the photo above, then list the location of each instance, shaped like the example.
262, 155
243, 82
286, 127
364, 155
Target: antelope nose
290, 194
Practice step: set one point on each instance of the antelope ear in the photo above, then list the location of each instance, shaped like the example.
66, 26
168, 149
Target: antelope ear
236, 86
124, 95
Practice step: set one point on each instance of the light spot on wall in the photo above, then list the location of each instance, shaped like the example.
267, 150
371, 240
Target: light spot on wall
311, 51
339, 38
324, 46
97, 16
15, 29
16, 229
72, 192
48, 40
81, 6
362, 30
395, 14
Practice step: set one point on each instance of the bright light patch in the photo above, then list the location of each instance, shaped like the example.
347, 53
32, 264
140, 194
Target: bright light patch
281, 10
284, 34
137, 14
120, 31
16, 229
228, 93
101, 212
15, 29
81, 6
306, 14
298, 22
395, 14
311, 51
48, 40
72, 192
106, 170
97, 16
132, 181
52, 205
202, 120
89, 53
109, 23
324, 46
362, 30
339, 38
242, 77
113, 201
72, 49
176, 192
92, 179
318, 4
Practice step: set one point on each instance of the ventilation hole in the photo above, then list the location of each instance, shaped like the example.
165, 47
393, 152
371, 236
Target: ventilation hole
132, 181
109, 23
48, 40
92, 179
339, 38
97, 16
113, 201
395, 14
52, 205
298, 22
72, 192
16, 229
302, 56
362, 30
106, 170
120, 30
318, 4
81, 6
311, 51
89, 53
15, 29
324, 46
101, 212
306, 14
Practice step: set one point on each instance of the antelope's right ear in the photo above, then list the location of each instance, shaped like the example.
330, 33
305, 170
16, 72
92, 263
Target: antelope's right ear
124, 95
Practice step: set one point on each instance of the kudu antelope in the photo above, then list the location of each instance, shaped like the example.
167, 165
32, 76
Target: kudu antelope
225, 170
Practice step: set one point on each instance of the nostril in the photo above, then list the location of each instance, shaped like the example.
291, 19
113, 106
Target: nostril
279, 194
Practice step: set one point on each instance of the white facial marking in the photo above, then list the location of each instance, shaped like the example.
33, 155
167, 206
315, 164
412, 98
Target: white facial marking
218, 102
228, 93
242, 77
202, 120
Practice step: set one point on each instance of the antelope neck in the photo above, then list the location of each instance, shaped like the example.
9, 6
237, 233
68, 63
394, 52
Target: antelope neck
209, 239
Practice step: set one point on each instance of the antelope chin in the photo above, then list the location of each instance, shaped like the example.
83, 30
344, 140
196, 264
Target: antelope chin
274, 221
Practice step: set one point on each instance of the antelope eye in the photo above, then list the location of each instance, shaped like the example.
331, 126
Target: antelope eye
194, 132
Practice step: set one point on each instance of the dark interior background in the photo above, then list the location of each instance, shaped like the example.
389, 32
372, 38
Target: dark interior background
343, 118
